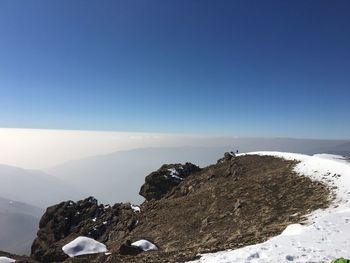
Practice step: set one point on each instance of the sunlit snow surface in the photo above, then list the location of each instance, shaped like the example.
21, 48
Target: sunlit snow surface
6, 260
145, 245
82, 246
327, 236
136, 208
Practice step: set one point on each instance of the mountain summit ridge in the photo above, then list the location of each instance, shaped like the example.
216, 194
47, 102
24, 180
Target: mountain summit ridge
239, 201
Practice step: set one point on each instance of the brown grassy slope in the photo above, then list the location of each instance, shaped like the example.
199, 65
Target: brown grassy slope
232, 204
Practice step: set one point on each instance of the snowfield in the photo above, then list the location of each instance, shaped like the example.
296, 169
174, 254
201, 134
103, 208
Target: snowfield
326, 235
82, 246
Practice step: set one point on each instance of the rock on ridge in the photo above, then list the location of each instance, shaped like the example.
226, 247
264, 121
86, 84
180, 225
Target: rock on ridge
64, 222
159, 183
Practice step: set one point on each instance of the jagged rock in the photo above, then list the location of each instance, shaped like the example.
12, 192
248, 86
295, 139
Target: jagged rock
128, 249
228, 156
162, 181
63, 222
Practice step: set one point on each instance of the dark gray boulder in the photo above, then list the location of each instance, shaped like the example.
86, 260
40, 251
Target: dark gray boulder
159, 183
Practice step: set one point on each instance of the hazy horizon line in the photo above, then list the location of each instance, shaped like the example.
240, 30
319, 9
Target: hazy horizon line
204, 135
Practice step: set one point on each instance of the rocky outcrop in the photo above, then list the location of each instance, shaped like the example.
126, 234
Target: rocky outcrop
63, 222
159, 183
128, 249
228, 156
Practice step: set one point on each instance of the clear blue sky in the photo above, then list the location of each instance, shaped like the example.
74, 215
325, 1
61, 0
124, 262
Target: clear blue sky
255, 68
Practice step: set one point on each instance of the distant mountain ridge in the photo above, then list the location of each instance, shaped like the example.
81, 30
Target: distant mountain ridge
116, 177
342, 149
11, 206
18, 225
24, 195
34, 187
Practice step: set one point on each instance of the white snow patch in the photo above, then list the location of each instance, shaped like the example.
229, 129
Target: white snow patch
136, 208
82, 246
174, 173
145, 245
325, 238
6, 260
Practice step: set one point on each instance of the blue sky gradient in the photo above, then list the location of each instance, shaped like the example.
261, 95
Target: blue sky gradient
248, 68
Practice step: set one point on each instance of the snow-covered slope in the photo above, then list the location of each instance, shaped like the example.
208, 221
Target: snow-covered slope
324, 237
